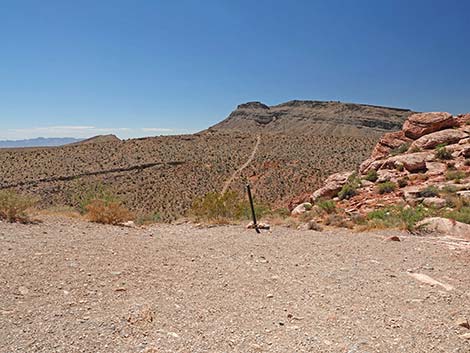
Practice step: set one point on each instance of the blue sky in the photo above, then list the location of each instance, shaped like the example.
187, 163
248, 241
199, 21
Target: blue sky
136, 67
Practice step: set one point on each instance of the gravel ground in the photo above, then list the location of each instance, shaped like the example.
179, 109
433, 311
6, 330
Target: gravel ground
72, 286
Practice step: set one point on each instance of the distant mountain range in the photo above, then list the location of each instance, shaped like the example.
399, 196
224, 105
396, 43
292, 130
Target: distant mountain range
39, 142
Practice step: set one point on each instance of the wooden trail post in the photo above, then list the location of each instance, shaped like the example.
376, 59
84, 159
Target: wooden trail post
253, 213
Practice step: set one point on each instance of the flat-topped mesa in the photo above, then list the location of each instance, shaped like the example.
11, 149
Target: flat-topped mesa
315, 117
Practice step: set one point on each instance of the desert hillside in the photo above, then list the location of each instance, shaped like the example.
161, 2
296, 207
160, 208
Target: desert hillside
165, 174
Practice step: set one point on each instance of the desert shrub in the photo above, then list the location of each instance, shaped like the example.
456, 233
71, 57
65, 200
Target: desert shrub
222, 208
83, 195
386, 187
397, 217
429, 191
449, 189
329, 206
149, 218
460, 215
372, 176
350, 188
467, 162
14, 206
400, 149
456, 175
443, 153
400, 167
107, 212
402, 182
338, 220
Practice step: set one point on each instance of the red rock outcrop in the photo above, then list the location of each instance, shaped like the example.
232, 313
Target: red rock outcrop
415, 170
421, 124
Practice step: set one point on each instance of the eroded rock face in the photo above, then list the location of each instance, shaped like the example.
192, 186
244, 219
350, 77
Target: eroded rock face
332, 186
448, 136
421, 124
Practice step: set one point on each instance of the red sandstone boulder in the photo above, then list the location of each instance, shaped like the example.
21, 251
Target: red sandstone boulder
412, 162
421, 124
388, 142
332, 186
448, 136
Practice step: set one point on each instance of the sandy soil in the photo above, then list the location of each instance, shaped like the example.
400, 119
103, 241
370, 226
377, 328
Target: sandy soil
71, 286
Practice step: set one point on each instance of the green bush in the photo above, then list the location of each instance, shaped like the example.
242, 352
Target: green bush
397, 217
149, 218
456, 175
83, 195
329, 206
429, 191
402, 182
349, 189
386, 187
223, 208
400, 149
14, 206
372, 176
461, 215
443, 153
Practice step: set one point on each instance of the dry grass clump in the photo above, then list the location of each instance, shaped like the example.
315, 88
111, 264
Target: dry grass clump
14, 206
107, 212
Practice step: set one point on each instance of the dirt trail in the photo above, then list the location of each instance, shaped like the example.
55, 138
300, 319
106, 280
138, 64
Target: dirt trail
72, 286
246, 164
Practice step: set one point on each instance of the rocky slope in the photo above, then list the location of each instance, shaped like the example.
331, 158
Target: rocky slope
425, 165
330, 118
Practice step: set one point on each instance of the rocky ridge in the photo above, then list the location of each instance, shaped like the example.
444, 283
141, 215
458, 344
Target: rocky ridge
426, 164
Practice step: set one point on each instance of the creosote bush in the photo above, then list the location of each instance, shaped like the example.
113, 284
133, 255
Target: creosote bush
397, 217
386, 187
83, 195
223, 208
14, 206
350, 188
329, 206
443, 153
400, 149
429, 191
372, 176
107, 212
456, 175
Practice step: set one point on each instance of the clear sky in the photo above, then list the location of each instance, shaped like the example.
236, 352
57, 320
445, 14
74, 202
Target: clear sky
146, 67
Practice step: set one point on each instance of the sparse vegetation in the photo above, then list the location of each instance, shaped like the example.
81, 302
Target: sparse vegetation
349, 189
329, 206
429, 191
443, 153
402, 217
400, 149
14, 206
456, 175
402, 182
461, 215
107, 212
372, 176
224, 208
191, 166
386, 187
